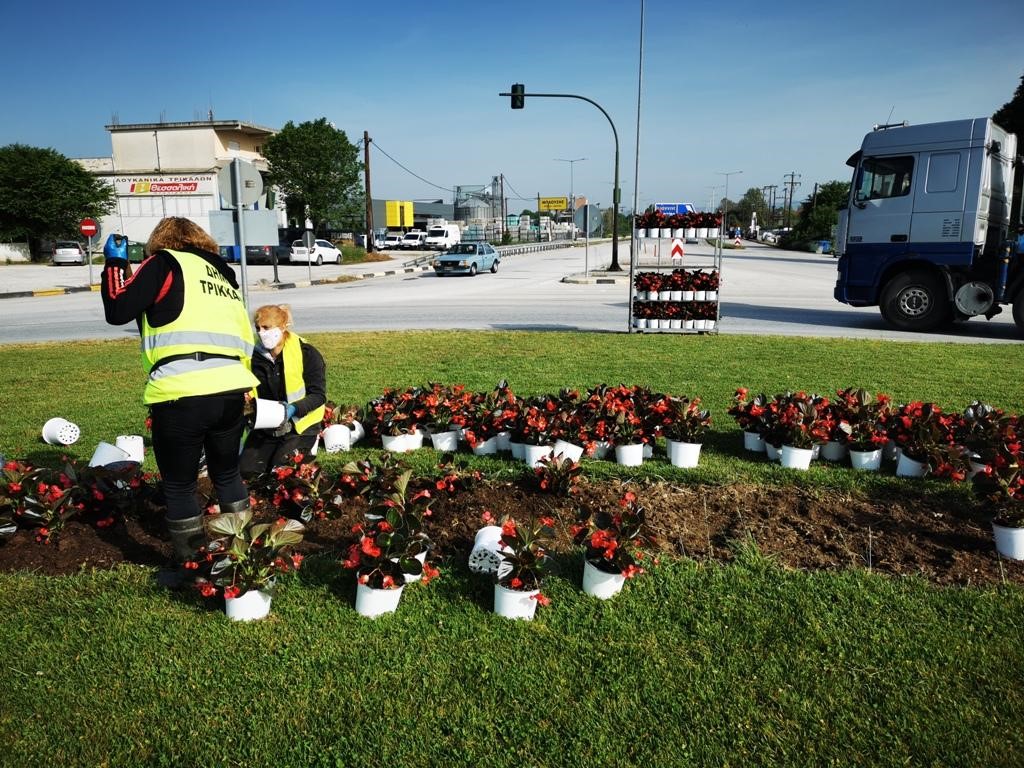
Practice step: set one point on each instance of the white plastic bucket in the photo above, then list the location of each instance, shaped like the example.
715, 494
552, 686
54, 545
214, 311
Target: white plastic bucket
599, 584
249, 606
133, 445
515, 604
796, 458
568, 450
376, 602
532, 454
772, 452
630, 455
337, 437
269, 414
504, 439
486, 447
753, 441
907, 467
106, 453
1009, 541
685, 455
833, 451
486, 554
58, 431
445, 441
866, 461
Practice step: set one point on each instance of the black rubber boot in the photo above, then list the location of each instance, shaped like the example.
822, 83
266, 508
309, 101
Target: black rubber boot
187, 536
242, 505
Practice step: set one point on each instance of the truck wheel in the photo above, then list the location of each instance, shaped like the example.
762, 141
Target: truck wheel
915, 301
494, 266
472, 269
1018, 311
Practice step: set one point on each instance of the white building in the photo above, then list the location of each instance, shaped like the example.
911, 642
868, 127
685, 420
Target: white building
170, 169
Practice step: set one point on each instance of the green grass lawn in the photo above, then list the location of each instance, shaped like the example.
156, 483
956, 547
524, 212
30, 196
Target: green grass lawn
694, 664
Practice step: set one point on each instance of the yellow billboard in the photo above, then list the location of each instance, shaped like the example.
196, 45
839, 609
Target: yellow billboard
552, 203
398, 213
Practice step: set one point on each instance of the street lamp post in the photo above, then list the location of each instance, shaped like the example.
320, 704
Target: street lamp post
519, 94
725, 206
572, 198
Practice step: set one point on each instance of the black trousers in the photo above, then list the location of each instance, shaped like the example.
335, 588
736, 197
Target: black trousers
182, 429
263, 451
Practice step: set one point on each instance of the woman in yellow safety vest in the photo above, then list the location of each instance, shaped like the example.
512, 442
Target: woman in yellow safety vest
197, 346
291, 371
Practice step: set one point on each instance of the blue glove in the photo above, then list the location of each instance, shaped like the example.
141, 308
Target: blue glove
114, 251
289, 411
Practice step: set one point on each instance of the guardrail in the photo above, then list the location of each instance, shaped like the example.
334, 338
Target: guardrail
511, 250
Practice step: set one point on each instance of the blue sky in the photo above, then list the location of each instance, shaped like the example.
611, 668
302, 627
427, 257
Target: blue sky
766, 88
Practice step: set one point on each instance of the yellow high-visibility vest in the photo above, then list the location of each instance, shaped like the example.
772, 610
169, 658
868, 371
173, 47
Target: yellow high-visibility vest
208, 348
295, 382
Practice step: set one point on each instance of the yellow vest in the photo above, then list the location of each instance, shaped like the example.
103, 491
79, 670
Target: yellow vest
213, 322
295, 383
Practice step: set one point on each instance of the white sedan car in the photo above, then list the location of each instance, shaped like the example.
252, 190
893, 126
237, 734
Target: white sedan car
322, 250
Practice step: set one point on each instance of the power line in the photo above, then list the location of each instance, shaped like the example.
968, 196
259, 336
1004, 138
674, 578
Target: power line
518, 196
411, 173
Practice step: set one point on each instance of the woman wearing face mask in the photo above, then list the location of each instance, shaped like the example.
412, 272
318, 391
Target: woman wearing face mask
291, 371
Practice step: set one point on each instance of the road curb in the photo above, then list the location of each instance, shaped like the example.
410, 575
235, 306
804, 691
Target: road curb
257, 286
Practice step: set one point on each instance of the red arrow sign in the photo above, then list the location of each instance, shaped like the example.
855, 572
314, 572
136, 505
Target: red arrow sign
88, 227
677, 249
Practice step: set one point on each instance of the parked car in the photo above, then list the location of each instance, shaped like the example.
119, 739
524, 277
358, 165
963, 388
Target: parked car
392, 241
68, 252
467, 259
322, 250
414, 239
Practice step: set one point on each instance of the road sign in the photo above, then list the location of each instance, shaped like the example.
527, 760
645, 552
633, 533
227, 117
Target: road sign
251, 184
668, 209
88, 227
677, 249
553, 203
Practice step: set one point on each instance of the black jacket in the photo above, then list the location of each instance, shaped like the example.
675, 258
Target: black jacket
271, 375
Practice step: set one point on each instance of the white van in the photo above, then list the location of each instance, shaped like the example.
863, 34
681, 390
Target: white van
441, 237
414, 239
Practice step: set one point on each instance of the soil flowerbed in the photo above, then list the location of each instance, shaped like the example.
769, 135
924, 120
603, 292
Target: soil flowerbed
932, 535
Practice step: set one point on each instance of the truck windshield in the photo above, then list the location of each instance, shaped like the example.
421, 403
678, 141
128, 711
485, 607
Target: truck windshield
884, 177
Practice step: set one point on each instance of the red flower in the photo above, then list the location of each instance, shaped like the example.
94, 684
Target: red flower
508, 528
369, 548
487, 517
516, 582
231, 591
541, 598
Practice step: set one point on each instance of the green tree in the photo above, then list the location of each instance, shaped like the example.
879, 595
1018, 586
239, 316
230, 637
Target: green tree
819, 213
318, 169
1011, 115
752, 202
44, 195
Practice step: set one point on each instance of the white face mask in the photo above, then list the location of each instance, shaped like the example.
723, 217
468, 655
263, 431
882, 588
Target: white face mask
271, 337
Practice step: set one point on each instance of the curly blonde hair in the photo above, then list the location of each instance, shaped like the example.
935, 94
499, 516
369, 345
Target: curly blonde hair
274, 315
176, 233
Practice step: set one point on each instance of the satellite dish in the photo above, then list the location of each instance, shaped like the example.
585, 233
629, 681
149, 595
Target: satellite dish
591, 216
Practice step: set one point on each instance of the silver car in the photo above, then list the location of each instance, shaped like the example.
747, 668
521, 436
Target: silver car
68, 252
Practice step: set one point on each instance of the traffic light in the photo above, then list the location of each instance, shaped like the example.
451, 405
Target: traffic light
518, 95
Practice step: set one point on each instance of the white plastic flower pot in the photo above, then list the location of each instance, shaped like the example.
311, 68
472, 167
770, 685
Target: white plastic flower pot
891, 451
532, 454
248, 606
504, 440
568, 450
486, 447
796, 458
445, 441
639, 322
515, 604
680, 454
675, 295
630, 455
664, 295
700, 295
517, 449
58, 431
412, 577
358, 431
866, 461
269, 414
106, 453
773, 452
372, 602
1009, 541
599, 584
337, 437
976, 467
486, 554
752, 441
601, 449
395, 443
908, 467
688, 325
675, 324
833, 451
133, 445
640, 232
687, 296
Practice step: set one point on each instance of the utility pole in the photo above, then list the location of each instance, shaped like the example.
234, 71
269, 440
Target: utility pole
501, 208
792, 184
814, 199
369, 197
771, 203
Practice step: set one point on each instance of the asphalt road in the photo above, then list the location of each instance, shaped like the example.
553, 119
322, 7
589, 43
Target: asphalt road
765, 291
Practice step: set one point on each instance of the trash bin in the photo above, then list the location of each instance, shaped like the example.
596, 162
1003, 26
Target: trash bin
136, 252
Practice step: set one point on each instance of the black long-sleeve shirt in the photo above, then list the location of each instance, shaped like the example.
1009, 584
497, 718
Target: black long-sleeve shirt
270, 372
156, 288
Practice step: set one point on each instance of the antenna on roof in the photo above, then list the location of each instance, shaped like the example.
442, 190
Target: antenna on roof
115, 119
